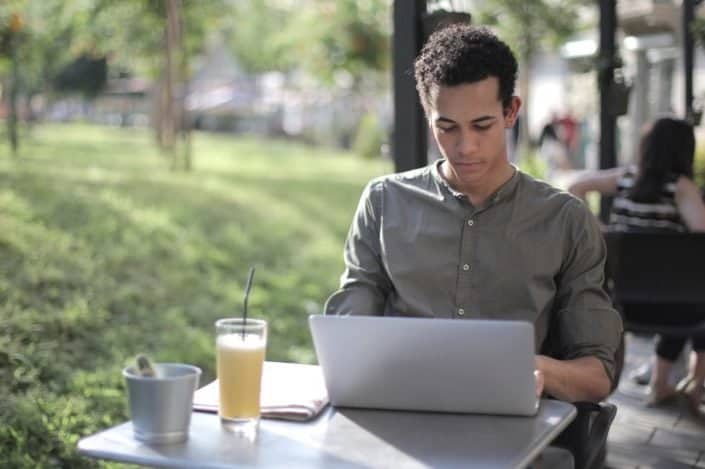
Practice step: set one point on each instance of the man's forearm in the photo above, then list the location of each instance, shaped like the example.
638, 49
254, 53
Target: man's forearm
581, 379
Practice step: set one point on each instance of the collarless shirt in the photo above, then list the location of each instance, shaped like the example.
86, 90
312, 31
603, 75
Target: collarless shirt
416, 247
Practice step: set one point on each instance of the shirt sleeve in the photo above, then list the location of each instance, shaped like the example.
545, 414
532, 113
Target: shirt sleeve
364, 285
587, 324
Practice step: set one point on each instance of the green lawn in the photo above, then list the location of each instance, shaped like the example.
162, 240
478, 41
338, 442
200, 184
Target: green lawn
105, 253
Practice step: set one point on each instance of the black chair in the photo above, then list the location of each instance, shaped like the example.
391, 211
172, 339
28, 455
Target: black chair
586, 436
647, 275
657, 281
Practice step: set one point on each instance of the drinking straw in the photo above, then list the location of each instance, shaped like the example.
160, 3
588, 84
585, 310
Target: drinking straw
248, 286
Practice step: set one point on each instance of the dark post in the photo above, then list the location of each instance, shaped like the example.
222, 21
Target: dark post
608, 118
687, 15
409, 141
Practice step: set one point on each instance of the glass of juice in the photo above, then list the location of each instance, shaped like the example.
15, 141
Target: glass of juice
240, 349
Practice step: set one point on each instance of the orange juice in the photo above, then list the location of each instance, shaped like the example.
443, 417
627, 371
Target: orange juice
239, 363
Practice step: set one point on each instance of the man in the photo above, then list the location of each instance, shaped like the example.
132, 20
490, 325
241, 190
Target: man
471, 236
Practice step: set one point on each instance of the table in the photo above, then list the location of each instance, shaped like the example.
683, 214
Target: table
348, 438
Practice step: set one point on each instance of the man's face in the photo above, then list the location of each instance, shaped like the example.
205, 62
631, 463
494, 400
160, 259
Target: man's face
468, 122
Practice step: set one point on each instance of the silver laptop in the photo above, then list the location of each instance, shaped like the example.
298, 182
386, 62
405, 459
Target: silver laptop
425, 364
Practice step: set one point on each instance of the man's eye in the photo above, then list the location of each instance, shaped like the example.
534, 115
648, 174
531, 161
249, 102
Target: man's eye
445, 130
483, 127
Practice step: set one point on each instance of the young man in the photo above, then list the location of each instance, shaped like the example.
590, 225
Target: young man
471, 236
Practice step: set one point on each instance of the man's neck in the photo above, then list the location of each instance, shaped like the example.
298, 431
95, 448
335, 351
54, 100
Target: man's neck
478, 194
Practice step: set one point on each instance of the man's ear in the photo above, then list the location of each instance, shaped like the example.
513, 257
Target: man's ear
512, 112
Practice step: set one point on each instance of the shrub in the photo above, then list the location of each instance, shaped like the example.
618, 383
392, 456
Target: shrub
105, 254
369, 137
532, 164
699, 167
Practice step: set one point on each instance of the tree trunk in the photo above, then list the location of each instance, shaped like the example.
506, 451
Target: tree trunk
169, 115
185, 117
157, 98
176, 84
12, 97
182, 121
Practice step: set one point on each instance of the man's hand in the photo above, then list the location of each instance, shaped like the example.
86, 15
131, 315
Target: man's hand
581, 379
538, 375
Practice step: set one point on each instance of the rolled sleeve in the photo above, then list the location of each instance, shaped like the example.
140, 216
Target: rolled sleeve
587, 323
364, 284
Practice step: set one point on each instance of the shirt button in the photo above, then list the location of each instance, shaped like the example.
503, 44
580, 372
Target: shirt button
470, 222
466, 267
461, 311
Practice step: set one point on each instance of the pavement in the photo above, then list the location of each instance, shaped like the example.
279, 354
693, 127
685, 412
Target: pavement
647, 437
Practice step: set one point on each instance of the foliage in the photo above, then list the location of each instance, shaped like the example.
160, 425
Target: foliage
369, 137
59, 36
322, 37
343, 36
534, 165
256, 34
698, 29
103, 255
699, 166
86, 75
528, 25
47, 38
132, 31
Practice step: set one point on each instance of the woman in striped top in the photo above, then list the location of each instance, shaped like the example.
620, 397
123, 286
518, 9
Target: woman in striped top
659, 196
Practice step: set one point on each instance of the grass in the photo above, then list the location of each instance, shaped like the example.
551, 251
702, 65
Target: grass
105, 253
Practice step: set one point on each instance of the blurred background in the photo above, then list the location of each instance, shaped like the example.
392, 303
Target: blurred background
151, 151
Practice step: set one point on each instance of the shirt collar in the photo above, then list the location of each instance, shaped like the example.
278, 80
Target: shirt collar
503, 192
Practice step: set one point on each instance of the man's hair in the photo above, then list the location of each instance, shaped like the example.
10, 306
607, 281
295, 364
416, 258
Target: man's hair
460, 54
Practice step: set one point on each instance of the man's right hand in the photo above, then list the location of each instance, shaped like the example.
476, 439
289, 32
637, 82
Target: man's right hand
538, 375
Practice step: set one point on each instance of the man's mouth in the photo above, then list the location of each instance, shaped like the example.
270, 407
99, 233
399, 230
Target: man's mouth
469, 164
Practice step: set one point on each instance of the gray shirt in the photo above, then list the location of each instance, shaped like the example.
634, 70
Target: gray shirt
416, 247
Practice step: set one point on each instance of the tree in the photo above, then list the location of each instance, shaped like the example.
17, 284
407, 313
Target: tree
321, 37
12, 33
86, 74
529, 25
346, 36
157, 38
257, 36
47, 42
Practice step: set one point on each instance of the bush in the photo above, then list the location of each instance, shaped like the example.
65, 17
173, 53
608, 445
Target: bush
699, 167
533, 164
369, 137
104, 253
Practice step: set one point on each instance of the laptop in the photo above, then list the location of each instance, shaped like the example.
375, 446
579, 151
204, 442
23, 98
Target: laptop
427, 364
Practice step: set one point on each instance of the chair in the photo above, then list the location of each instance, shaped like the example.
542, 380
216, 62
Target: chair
645, 271
652, 273
586, 436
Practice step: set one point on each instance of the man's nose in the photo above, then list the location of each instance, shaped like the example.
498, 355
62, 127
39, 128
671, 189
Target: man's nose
467, 144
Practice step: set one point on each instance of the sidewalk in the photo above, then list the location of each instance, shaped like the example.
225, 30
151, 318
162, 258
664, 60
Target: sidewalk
641, 437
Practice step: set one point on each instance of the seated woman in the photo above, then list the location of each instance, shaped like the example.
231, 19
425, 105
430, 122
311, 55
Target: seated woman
659, 196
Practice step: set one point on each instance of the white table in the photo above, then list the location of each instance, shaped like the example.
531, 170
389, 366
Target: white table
349, 438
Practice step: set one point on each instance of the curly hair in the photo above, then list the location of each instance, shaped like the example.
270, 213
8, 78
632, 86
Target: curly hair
460, 54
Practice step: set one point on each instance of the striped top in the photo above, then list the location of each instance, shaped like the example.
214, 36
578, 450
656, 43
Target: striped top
628, 215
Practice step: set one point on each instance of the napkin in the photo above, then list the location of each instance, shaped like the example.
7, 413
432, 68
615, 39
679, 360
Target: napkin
290, 391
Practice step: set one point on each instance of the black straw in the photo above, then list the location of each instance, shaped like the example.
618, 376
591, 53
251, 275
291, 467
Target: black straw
248, 286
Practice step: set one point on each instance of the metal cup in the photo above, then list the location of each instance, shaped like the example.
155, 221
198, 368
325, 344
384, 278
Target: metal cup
160, 407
